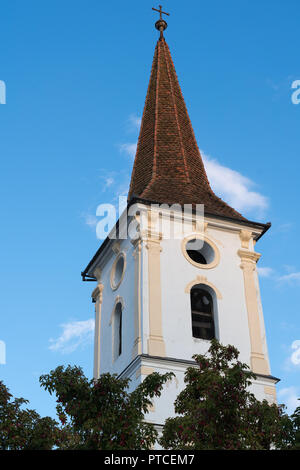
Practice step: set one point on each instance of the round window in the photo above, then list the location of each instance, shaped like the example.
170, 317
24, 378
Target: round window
200, 252
117, 271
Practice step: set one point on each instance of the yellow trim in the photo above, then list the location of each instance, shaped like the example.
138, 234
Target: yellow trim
144, 370
98, 297
249, 256
113, 271
245, 236
202, 280
211, 265
248, 265
156, 345
137, 346
269, 390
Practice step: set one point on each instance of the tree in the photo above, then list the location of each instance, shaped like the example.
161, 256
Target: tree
217, 411
24, 429
101, 414
296, 428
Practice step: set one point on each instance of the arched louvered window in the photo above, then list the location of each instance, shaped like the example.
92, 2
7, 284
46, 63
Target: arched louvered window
202, 307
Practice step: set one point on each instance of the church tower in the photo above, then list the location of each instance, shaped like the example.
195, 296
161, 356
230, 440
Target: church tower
166, 288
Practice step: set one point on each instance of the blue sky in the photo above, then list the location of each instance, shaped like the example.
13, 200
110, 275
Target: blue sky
76, 74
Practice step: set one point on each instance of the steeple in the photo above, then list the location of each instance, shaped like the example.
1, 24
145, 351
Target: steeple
160, 298
168, 167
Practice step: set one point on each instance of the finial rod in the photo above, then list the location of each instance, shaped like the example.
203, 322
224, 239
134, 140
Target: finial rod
161, 24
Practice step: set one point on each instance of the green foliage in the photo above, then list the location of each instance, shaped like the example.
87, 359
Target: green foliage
296, 428
217, 410
23, 429
102, 414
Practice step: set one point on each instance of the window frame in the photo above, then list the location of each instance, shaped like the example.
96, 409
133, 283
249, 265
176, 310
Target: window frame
117, 330
114, 285
211, 314
205, 239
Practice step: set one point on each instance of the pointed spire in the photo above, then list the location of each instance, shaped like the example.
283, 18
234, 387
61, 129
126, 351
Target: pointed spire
168, 167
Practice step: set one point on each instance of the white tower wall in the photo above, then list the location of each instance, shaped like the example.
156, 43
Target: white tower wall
154, 292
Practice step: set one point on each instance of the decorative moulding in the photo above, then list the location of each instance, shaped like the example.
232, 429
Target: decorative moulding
202, 280
113, 284
216, 259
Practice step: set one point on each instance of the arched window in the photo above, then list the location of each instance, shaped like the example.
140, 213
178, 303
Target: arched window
118, 331
202, 313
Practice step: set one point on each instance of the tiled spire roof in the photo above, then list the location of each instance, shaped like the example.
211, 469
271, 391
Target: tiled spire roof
168, 167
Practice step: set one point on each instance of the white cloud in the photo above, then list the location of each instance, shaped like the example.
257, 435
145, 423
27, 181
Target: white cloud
129, 149
118, 182
122, 188
233, 187
90, 220
289, 268
292, 277
289, 397
75, 334
265, 272
107, 183
135, 121
107, 179
295, 357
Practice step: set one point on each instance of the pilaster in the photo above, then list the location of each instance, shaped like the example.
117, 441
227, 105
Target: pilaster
258, 361
97, 297
137, 346
156, 344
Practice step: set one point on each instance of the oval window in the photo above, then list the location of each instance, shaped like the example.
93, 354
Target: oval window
201, 253
117, 271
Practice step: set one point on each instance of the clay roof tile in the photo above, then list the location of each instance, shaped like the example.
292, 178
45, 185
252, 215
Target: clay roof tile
168, 167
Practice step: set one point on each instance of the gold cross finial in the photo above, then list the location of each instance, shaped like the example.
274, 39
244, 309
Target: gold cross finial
161, 24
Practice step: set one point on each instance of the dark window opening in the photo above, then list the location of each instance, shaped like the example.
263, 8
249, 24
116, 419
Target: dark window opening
202, 314
118, 331
120, 334
199, 251
196, 256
